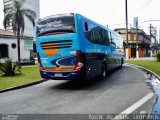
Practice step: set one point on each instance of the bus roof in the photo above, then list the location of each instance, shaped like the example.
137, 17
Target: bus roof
77, 14
98, 24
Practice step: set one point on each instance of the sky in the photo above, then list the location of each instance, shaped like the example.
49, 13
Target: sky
105, 12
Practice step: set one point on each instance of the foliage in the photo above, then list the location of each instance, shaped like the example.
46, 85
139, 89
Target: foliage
28, 74
158, 56
149, 64
0, 67
9, 69
15, 17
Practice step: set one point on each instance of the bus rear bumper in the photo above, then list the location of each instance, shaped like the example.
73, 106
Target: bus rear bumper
67, 75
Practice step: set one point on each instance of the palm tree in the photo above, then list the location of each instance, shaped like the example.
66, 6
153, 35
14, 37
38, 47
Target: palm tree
16, 14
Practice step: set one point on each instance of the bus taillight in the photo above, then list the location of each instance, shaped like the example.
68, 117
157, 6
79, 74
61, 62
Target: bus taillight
39, 62
79, 63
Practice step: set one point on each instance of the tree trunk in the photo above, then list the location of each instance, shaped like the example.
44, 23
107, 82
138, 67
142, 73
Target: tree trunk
18, 44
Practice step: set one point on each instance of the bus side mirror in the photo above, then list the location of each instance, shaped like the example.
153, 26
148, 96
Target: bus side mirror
34, 47
86, 26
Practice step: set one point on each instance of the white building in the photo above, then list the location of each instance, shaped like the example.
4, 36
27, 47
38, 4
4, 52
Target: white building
8, 41
30, 4
8, 46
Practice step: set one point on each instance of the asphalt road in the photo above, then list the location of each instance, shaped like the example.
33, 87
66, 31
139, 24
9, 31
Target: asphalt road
121, 89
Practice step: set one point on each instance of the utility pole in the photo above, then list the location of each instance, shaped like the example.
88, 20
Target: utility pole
159, 40
137, 52
150, 30
153, 34
153, 45
126, 11
155, 40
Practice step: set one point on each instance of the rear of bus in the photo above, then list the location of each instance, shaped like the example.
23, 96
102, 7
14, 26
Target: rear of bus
58, 50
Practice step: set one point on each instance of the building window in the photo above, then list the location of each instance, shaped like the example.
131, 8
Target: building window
131, 36
13, 45
3, 50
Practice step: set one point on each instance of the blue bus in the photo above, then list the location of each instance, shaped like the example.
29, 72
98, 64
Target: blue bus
73, 47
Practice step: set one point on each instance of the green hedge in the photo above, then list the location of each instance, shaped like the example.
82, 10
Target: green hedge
8, 68
158, 56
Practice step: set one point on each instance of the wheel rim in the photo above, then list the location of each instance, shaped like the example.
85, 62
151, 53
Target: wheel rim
104, 73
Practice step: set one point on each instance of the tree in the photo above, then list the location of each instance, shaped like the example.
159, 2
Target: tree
158, 56
15, 17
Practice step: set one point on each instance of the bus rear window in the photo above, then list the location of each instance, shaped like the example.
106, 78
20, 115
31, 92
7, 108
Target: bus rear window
58, 24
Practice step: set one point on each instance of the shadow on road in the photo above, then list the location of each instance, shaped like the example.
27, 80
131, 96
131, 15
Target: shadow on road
86, 84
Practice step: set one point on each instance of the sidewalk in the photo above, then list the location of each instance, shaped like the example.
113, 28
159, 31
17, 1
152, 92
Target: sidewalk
36, 65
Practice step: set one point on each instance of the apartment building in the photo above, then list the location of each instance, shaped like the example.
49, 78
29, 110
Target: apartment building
30, 4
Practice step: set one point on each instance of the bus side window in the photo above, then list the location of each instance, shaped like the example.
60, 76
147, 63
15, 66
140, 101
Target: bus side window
107, 38
86, 26
116, 41
110, 39
113, 44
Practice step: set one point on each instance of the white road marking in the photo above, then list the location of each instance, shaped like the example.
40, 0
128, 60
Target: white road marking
135, 106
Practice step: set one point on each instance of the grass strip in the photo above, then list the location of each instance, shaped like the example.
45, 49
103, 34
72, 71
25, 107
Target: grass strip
152, 65
27, 75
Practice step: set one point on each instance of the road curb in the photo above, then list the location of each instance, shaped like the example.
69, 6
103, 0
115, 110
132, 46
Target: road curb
23, 86
139, 104
145, 70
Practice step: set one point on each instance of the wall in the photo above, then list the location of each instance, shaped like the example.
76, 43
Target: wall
141, 52
25, 54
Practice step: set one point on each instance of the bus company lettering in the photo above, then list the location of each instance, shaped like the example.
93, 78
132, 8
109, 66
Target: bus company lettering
50, 25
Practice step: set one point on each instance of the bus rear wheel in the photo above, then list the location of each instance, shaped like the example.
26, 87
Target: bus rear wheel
121, 63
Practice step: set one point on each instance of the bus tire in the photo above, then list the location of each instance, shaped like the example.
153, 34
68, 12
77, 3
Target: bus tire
103, 71
121, 63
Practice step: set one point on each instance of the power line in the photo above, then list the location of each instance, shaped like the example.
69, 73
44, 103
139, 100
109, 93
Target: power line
150, 21
146, 4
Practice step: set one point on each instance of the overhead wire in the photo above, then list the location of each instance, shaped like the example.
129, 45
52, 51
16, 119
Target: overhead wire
146, 5
139, 14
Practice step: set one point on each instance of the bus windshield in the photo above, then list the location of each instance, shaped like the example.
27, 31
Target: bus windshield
56, 25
